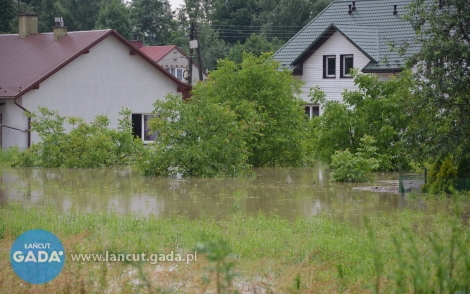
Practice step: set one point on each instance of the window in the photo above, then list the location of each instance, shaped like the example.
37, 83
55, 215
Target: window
312, 110
177, 72
329, 66
347, 63
140, 127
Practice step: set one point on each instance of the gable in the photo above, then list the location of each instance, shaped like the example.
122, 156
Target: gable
26, 62
364, 38
372, 26
336, 45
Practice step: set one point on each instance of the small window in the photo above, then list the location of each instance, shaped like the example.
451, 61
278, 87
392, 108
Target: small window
347, 63
177, 72
329, 66
312, 111
140, 127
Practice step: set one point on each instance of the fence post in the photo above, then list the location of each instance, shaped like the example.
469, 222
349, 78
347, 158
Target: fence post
425, 175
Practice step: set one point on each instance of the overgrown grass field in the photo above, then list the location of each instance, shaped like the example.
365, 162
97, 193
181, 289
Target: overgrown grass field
248, 254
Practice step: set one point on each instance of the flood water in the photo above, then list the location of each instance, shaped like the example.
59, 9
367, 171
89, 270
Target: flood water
286, 192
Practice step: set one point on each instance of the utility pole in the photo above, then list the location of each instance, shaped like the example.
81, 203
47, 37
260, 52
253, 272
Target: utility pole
199, 61
190, 69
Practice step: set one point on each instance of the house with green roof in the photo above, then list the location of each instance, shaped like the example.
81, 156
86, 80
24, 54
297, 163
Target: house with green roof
348, 34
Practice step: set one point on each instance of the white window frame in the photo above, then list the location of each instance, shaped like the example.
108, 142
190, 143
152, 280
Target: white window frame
175, 71
311, 107
144, 127
326, 66
346, 74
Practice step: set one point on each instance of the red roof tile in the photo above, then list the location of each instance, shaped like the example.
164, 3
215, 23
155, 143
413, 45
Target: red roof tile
26, 62
157, 52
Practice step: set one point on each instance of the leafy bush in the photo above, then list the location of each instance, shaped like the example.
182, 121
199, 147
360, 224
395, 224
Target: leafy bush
348, 167
440, 264
374, 109
441, 177
243, 115
197, 138
87, 145
8, 155
267, 101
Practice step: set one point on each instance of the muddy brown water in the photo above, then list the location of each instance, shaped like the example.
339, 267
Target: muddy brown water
286, 192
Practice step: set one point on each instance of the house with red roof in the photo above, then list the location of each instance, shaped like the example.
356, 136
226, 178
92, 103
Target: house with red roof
84, 74
174, 60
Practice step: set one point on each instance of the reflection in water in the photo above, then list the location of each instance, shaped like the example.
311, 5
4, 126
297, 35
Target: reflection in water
287, 192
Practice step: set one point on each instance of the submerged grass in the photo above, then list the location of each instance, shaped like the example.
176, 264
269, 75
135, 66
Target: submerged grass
249, 254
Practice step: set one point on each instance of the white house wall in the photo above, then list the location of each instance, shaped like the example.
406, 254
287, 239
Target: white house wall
177, 60
13, 116
98, 83
337, 45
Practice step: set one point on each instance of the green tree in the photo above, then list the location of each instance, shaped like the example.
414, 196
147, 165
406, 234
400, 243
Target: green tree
80, 15
115, 15
8, 13
440, 108
87, 145
153, 20
196, 138
376, 109
243, 115
266, 97
255, 44
348, 167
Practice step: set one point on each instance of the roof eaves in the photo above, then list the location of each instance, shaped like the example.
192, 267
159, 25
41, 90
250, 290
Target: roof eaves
167, 52
63, 64
304, 28
324, 34
355, 44
182, 86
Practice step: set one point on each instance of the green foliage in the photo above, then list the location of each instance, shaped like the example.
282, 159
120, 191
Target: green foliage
218, 252
8, 13
463, 169
115, 15
87, 145
348, 167
374, 109
238, 19
266, 100
153, 19
444, 269
441, 177
196, 138
255, 44
244, 115
8, 155
440, 124
301, 246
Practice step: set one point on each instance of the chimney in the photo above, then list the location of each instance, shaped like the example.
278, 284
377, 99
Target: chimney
59, 30
354, 6
28, 24
136, 42
395, 10
349, 11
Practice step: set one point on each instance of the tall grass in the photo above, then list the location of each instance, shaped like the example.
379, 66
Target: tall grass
248, 253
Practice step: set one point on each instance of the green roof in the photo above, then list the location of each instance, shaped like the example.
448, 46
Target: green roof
371, 28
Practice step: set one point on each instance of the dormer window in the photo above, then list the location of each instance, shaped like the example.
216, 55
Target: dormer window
329, 66
346, 64
177, 72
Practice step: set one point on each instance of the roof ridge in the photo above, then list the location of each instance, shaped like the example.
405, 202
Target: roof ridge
302, 29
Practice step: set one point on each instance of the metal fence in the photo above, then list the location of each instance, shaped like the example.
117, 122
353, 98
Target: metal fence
410, 182
413, 182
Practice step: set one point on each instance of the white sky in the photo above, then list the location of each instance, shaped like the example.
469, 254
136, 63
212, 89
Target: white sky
176, 4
